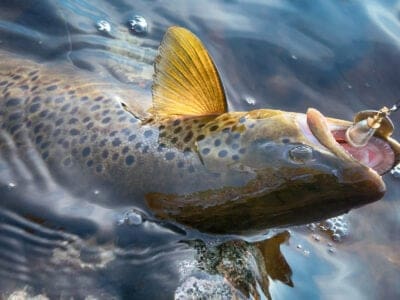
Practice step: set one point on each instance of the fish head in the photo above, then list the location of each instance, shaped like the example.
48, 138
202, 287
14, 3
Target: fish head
296, 168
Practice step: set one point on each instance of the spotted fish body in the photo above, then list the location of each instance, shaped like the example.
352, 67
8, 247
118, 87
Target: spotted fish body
179, 153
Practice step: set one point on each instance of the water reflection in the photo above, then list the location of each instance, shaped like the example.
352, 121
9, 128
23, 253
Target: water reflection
340, 57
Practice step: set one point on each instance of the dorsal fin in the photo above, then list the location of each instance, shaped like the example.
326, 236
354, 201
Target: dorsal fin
186, 81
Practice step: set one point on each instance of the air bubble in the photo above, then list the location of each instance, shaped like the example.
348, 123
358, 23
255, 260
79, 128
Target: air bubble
138, 25
396, 171
103, 26
11, 185
131, 217
316, 237
294, 57
96, 192
299, 246
250, 100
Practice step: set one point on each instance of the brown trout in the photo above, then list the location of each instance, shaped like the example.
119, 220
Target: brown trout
177, 152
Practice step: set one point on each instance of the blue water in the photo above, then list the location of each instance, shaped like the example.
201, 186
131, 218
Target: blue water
337, 56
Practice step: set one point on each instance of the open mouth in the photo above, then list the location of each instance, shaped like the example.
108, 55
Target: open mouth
377, 154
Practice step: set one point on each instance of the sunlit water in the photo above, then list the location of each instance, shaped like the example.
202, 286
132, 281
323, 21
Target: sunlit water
337, 56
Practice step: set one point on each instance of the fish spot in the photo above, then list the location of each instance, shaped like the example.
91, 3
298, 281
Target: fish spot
73, 121
242, 150
115, 156
161, 147
125, 150
138, 145
59, 100
15, 116
174, 140
177, 130
95, 107
129, 160
59, 121
51, 87
242, 120
161, 127
188, 137
39, 139
98, 98
84, 98
180, 164
13, 102
176, 122
86, 119
45, 145
89, 163
122, 119
235, 157
200, 137
106, 120
34, 78
132, 137
116, 142
205, 151
16, 77
104, 154
148, 133
285, 140
4, 82
74, 110
45, 154
74, 132
15, 128
162, 134
24, 87
222, 153
43, 113
217, 142
191, 169
37, 128
99, 168
65, 107
83, 139
105, 112
90, 125
57, 132
145, 149
169, 155
214, 127
236, 136
235, 146
86, 151
113, 133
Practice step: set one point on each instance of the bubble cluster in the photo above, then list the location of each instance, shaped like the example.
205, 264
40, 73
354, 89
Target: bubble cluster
194, 288
336, 228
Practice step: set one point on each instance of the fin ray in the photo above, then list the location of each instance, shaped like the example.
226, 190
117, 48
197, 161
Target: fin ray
186, 81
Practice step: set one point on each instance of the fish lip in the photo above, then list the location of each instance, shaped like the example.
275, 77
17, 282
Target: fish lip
321, 128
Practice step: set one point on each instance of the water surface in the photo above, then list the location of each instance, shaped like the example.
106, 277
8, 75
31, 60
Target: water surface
338, 56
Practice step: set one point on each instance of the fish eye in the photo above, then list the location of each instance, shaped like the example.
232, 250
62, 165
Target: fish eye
301, 154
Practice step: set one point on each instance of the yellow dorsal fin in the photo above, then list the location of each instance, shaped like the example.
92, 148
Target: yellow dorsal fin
186, 81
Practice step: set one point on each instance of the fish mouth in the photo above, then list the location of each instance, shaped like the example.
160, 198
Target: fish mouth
377, 154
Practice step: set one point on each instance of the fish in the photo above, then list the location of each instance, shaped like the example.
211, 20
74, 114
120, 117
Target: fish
175, 150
